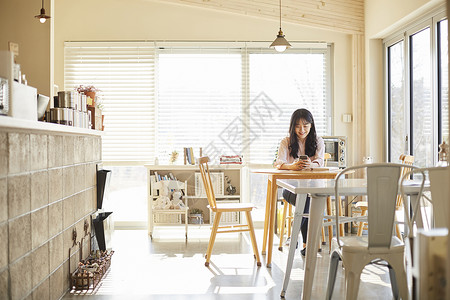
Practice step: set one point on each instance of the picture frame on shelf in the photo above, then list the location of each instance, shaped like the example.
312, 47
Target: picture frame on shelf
217, 179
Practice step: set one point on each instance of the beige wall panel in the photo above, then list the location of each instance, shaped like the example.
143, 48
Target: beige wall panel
385, 16
19, 25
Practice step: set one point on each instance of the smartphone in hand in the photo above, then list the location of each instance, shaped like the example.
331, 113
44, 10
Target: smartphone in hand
303, 157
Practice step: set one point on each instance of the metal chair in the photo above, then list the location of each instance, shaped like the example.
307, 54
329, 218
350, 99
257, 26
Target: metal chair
404, 159
438, 177
219, 208
380, 244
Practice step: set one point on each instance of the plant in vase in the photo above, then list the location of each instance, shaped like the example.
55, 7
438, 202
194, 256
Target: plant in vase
173, 156
88, 90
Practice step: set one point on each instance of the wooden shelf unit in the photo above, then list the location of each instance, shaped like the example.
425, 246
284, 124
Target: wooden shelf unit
186, 173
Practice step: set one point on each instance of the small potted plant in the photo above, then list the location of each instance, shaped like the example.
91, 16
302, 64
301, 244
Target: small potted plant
173, 156
196, 216
88, 90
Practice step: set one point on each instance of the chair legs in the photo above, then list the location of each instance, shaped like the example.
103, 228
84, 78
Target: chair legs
362, 223
394, 286
398, 278
287, 217
330, 228
212, 237
215, 228
283, 224
253, 238
397, 229
352, 279
334, 262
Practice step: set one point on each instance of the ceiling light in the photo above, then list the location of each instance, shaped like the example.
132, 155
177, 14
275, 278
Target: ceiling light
42, 16
280, 44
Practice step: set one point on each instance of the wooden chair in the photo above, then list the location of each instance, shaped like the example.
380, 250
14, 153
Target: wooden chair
404, 159
219, 208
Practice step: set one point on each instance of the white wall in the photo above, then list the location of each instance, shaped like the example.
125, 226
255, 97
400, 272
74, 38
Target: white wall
84, 20
383, 18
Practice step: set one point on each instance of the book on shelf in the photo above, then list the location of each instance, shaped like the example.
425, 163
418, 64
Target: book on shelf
186, 158
189, 154
157, 178
191, 150
230, 159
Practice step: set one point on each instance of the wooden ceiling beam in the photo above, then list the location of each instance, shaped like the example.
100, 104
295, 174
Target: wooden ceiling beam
345, 16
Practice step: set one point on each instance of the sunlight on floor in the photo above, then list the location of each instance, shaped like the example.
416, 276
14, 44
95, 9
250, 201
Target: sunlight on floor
169, 267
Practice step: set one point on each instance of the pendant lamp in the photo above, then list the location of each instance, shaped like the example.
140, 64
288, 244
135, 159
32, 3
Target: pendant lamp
42, 16
280, 44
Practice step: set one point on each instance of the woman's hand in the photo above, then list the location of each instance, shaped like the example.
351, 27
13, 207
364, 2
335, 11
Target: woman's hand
298, 165
305, 164
295, 166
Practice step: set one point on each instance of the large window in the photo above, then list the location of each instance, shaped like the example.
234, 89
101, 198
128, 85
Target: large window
280, 84
396, 92
417, 90
421, 98
226, 100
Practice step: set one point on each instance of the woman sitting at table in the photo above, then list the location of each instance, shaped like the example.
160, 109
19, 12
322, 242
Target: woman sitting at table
302, 141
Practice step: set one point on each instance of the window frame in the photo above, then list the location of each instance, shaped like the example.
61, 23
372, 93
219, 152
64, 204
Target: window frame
430, 20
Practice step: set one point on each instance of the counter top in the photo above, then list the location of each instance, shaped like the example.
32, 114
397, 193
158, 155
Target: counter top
43, 127
192, 167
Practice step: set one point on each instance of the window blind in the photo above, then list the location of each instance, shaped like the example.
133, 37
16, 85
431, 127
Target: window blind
279, 85
125, 74
227, 98
238, 100
199, 96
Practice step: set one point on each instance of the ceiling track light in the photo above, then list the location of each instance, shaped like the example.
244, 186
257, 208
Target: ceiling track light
42, 16
280, 44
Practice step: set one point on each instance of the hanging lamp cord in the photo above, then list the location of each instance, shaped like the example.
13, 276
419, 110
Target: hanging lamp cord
280, 13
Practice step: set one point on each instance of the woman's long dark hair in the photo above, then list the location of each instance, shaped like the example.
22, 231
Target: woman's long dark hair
311, 138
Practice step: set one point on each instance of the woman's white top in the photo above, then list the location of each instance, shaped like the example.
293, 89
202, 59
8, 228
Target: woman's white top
284, 156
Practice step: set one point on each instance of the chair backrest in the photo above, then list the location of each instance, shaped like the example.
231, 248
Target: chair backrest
382, 188
407, 160
326, 157
440, 193
207, 183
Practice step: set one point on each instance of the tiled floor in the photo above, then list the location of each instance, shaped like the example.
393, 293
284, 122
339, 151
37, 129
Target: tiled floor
168, 267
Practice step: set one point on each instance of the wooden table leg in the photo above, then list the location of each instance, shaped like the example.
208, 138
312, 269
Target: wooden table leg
341, 214
266, 220
283, 224
330, 228
273, 205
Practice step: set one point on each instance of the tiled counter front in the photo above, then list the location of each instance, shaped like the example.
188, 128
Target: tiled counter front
47, 187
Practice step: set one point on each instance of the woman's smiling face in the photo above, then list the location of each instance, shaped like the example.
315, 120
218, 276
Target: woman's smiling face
302, 129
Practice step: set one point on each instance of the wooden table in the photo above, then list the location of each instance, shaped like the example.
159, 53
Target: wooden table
271, 199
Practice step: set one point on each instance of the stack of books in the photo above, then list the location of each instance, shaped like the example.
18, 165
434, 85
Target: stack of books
189, 156
230, 159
